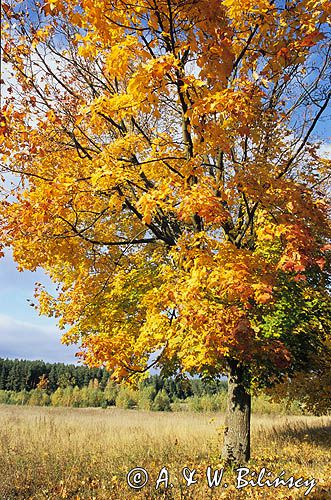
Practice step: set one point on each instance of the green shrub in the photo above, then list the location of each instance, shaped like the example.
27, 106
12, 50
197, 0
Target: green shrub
38, 397
146, 396
76, 397
110, 392
56, 397
207, 403
161, 402
83, 397
126, 398
4, 397
20, 398
264, 405
179, 405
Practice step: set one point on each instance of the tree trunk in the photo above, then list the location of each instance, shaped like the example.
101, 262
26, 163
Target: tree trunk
236, 448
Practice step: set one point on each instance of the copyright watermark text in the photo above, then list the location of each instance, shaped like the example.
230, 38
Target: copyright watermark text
138, 477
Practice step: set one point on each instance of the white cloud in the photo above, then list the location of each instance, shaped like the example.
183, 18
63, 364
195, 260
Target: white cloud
23, 333
325, 149
26, 340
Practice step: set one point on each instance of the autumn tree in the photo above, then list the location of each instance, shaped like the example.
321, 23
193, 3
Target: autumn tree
170, 182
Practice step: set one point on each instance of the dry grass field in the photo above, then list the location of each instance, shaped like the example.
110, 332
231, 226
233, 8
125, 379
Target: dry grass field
55, 453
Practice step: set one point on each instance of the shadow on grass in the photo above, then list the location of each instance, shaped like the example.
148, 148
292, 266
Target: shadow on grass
319, 434
320, 493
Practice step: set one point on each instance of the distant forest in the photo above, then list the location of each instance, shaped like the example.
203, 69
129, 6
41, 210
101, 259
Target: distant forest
37, 383
22, 375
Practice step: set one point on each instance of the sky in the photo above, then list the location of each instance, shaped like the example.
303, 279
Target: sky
23, 333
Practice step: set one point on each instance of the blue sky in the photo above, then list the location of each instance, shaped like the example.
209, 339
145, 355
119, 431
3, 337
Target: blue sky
23, 333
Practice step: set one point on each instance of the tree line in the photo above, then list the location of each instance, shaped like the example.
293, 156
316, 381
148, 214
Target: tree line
155, 393
24, 375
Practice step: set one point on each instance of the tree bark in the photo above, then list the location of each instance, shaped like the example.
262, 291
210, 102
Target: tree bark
236, 448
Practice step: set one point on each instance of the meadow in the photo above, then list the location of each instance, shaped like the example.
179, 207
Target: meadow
74, 453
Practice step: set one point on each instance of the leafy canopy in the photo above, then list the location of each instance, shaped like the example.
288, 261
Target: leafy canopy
170, 180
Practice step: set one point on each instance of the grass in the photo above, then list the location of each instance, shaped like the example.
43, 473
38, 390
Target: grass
55, 453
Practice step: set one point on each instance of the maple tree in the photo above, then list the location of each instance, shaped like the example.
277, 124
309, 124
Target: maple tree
171, 184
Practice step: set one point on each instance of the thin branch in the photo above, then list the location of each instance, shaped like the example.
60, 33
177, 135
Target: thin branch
304, 141
106, 243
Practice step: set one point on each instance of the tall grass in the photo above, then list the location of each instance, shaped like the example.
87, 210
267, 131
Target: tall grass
54, 453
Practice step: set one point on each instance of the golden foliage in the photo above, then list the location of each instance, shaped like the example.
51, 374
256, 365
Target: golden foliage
164, 186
